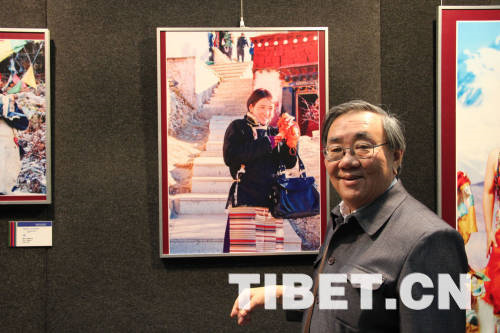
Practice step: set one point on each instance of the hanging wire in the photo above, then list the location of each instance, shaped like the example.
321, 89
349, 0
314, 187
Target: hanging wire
242, 23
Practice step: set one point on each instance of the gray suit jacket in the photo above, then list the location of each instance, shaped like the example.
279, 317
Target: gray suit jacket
394, 236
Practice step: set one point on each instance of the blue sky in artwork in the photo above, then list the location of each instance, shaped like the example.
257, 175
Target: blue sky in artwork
477, 95
472, 36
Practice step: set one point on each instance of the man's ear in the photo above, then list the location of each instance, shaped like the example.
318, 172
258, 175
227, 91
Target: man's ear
398, 159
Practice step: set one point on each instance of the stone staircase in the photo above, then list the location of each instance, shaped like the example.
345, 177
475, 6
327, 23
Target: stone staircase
211, 179
201, 214
231, 95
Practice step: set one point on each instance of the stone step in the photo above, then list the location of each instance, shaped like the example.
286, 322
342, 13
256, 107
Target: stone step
221, 125
214, 146
230, 70
242, 81
216, 121
238, 106
232, 94
210, 166
233, 63
230, 66
228, 104
217, 130
236, 80
230, 75
198, 227
220, 110
211, 184
205, 227
224, 100
217, 135
208, 161
214, 153
235, 110
292, 240
222, 121
241, 100
213, 227
239, 113
233, 89
199, 203
238, 85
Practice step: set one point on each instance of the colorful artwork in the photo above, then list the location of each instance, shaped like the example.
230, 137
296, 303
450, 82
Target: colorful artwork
206, 77
474, 135
24, 116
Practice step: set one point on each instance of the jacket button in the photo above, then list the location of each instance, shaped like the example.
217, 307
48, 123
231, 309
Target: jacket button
331, 260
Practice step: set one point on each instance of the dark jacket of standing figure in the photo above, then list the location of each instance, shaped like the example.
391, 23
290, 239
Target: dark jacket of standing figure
260, 160
242, 42
393, 236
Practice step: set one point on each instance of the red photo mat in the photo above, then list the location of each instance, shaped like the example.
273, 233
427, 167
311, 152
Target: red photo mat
163, 141
447, 82
35, 35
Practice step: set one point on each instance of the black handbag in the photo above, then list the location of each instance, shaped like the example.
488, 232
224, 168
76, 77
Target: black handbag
294, 197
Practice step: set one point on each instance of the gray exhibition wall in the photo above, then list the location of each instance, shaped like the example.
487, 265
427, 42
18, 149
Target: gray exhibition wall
104, 272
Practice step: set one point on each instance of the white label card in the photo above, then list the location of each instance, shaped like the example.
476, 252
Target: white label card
32, 233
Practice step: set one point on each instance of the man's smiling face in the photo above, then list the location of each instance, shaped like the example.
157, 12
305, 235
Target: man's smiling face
361, 181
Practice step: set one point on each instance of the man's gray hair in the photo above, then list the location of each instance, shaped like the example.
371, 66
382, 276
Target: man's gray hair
392, 126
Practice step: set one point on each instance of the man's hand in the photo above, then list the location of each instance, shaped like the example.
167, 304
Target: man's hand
257, 299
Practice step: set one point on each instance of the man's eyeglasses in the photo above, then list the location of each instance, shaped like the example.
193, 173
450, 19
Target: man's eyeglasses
362, 150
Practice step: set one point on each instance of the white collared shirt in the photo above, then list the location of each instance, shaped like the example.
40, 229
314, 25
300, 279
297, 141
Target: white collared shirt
346, 212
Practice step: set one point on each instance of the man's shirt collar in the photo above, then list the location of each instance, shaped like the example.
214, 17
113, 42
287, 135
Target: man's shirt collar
373, 216
345, 211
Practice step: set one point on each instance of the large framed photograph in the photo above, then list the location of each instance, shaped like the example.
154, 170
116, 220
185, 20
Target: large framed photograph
239, 111
469, 147
25, 116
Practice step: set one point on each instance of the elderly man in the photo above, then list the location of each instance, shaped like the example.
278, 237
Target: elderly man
378, 228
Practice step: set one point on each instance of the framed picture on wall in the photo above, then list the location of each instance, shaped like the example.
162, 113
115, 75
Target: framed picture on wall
25, 116
235, 106
469, 146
